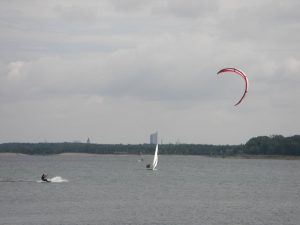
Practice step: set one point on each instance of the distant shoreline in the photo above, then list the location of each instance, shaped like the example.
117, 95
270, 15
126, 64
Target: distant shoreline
279, 157
275, 146
282, 157
77, 154
10, 154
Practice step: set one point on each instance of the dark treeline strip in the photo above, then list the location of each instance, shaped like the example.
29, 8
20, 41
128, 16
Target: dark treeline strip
262, 145
273, 145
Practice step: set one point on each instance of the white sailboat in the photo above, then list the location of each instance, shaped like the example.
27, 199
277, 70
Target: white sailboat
155, 160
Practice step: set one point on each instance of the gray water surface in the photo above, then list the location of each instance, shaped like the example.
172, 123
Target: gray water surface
117, 189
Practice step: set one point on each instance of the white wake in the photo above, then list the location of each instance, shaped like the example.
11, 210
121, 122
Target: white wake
58, 179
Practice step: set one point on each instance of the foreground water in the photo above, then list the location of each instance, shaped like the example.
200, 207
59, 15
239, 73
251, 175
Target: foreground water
116, 189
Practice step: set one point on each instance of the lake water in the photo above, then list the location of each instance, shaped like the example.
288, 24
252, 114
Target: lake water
118, 190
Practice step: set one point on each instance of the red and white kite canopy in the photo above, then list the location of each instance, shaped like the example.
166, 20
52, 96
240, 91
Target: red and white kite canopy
243, 75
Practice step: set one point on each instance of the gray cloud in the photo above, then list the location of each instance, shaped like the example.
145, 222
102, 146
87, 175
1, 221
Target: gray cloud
266, 23
191, 8
77, 13
131, 5
119, 70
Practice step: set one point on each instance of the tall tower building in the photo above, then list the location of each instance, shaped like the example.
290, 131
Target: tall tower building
154, 138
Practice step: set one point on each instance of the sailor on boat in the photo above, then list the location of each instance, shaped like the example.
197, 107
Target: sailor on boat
44, 178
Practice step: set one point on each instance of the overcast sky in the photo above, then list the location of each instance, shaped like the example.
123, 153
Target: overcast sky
116, 71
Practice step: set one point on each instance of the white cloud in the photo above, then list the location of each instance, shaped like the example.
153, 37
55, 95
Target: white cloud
293, 66
16, 71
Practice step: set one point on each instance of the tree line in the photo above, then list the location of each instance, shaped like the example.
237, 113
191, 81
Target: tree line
262, 145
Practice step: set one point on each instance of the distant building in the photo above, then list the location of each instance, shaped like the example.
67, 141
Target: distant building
154, 138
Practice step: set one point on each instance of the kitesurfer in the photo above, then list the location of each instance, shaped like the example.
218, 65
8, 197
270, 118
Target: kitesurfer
44, 178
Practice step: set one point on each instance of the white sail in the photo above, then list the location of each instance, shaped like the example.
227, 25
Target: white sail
155, 158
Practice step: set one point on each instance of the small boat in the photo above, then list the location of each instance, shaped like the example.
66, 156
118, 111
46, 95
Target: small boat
141, 157
155, 160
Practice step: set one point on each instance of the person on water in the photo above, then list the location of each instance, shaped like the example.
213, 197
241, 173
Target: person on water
44, 178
